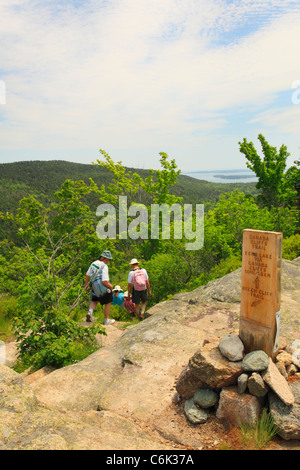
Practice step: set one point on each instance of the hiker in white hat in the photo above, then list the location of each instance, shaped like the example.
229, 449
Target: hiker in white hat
139, 282
101, 290
118, 296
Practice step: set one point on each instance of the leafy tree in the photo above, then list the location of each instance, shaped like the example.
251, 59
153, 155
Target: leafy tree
236, 212
277, 185
153, 189
164, 179
126, 183
52, 261
53, 237
285, 220
123, 183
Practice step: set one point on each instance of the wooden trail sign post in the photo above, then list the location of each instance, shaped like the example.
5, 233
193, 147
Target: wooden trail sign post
261, 291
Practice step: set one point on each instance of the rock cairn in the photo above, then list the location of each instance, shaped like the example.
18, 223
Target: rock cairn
220, 378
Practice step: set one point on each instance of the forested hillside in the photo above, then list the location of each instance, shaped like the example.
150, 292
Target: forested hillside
42, 178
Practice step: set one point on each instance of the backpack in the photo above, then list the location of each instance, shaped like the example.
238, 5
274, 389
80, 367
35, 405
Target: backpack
129, 305
98, 289
139, 280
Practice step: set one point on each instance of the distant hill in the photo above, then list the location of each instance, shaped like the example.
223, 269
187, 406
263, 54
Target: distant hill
43, 178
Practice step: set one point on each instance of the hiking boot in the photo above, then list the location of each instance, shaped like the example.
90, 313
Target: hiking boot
108, 321
89, 318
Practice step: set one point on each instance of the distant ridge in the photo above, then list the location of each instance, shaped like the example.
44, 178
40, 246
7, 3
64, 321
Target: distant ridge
245, 170
52, 173
42, 179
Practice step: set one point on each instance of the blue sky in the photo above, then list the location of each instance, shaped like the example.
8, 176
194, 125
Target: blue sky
190, 78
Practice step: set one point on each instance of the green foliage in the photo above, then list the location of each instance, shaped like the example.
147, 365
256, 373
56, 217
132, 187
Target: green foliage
8, 308
49, 274
285, 220
291, 247
52, 339
223, 230
125, 183
226, 266
19, 180
236, 212
54, 237
259, 434
13, 266
277, 186
164, 180
168, 275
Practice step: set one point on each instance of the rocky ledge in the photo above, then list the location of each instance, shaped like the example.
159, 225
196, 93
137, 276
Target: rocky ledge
124, 395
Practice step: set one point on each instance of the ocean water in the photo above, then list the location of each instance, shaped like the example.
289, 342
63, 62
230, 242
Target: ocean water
224, 176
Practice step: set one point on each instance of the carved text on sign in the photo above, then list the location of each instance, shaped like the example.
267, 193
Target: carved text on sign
260, 288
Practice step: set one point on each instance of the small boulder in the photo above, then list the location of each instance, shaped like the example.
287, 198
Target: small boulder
278, 384
210, 366
255, 361
287, 418
15, 395
257, 386
232, 347
242, 383
205, 398
236, 408
296, 358
284, 357
194, 414
187, 383
281, 367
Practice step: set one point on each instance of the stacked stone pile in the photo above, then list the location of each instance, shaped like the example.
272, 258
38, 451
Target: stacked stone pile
220, 378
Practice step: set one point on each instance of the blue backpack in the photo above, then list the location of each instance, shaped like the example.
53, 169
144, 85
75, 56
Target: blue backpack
97, 287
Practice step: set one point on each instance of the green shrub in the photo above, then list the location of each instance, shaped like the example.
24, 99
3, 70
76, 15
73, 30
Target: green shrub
8, 306
53, 339
291, 247
225, 266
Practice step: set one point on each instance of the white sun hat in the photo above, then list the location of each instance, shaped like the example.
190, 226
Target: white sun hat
118, 288
134, 261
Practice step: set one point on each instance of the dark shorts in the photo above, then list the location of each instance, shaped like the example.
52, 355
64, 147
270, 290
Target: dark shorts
139, 296
105, 299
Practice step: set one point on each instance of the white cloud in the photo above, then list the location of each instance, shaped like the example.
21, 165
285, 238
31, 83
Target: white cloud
282, 120
143, 75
